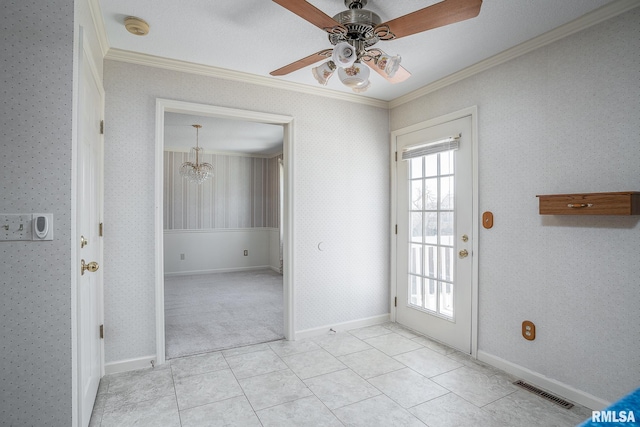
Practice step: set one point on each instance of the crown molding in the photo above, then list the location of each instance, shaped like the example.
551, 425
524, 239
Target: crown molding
222, 73
599, 15
98, 23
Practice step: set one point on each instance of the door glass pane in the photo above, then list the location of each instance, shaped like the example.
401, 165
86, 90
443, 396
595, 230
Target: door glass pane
430, 294
431, 165
446, 299
431, 231
431, 261
446, 263
416, 168
416, 195
431, 228
415, 263
447, 192
446, 163
431, 194
416, 227
446, 228
415, 291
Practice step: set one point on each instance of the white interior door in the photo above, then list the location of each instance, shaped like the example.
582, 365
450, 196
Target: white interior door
435, 230
89, 214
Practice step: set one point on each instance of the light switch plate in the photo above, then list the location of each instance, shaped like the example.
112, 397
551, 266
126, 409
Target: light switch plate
15, 227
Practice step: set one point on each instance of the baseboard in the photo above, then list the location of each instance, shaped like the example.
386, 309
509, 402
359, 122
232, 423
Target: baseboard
129, 365
216, 270
549, 384
345, 326
276, 269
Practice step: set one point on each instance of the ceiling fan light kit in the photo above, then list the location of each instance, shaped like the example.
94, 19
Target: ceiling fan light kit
354, 31
344, 55
355, 77
389, 64
323, 71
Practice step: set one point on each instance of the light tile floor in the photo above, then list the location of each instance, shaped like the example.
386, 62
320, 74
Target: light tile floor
383, 375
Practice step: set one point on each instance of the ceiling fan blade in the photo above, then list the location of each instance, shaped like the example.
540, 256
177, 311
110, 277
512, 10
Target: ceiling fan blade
310, 13
438, 15
301, 63
401, 75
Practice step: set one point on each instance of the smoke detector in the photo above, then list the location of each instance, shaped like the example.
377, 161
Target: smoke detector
136, 26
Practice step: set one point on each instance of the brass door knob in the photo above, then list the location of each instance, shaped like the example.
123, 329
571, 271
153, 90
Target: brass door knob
463, 253
92, 267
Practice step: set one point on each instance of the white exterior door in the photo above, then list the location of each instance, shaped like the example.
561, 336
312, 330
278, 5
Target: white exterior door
89, 214
434, 196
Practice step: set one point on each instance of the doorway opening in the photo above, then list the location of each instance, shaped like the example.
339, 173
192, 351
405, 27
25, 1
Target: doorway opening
223, 265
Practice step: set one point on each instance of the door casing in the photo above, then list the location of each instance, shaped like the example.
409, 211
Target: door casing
473, 112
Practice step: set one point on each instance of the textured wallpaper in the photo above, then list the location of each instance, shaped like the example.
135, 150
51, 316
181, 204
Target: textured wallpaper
243, 193
341, 198
561, 119
35, 176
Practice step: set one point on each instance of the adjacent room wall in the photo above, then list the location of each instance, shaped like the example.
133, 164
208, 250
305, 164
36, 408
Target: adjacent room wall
340, 197
243, 193
216, 250
208, 226
561, 119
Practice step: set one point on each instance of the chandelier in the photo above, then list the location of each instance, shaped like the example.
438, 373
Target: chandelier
193, 170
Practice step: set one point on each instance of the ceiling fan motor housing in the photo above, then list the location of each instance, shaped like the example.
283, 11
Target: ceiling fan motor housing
360, 24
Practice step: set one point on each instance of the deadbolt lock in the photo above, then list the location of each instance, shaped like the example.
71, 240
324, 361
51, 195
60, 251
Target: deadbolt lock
83, 242
92, 267
463, 253
465, 238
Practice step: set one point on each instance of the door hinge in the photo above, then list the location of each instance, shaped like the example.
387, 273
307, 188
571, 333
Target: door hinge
396, 228
395, 301
100, 230
396, 156
101, 127
101, 331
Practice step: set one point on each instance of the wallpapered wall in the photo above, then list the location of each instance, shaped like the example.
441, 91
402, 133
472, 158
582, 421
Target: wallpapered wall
243, 193
340, 197
35, 176
561, 119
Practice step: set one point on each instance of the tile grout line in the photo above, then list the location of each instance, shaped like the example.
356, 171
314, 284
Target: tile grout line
175, 393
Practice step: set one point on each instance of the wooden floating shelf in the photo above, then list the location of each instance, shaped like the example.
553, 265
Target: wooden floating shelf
621, 203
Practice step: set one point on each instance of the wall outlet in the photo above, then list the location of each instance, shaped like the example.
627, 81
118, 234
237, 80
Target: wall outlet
528, 330
246, 252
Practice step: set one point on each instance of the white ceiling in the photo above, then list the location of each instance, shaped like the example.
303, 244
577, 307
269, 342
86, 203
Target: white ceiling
259, 36
221, 135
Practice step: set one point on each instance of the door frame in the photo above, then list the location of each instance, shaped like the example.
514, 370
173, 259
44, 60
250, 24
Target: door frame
171, 106
473, 112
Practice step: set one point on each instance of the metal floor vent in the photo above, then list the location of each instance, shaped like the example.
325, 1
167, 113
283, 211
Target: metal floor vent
544, 394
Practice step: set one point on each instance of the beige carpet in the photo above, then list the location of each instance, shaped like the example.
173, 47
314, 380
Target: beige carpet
210, 312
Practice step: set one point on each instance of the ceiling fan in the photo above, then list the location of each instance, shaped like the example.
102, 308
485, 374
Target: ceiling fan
355, 31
